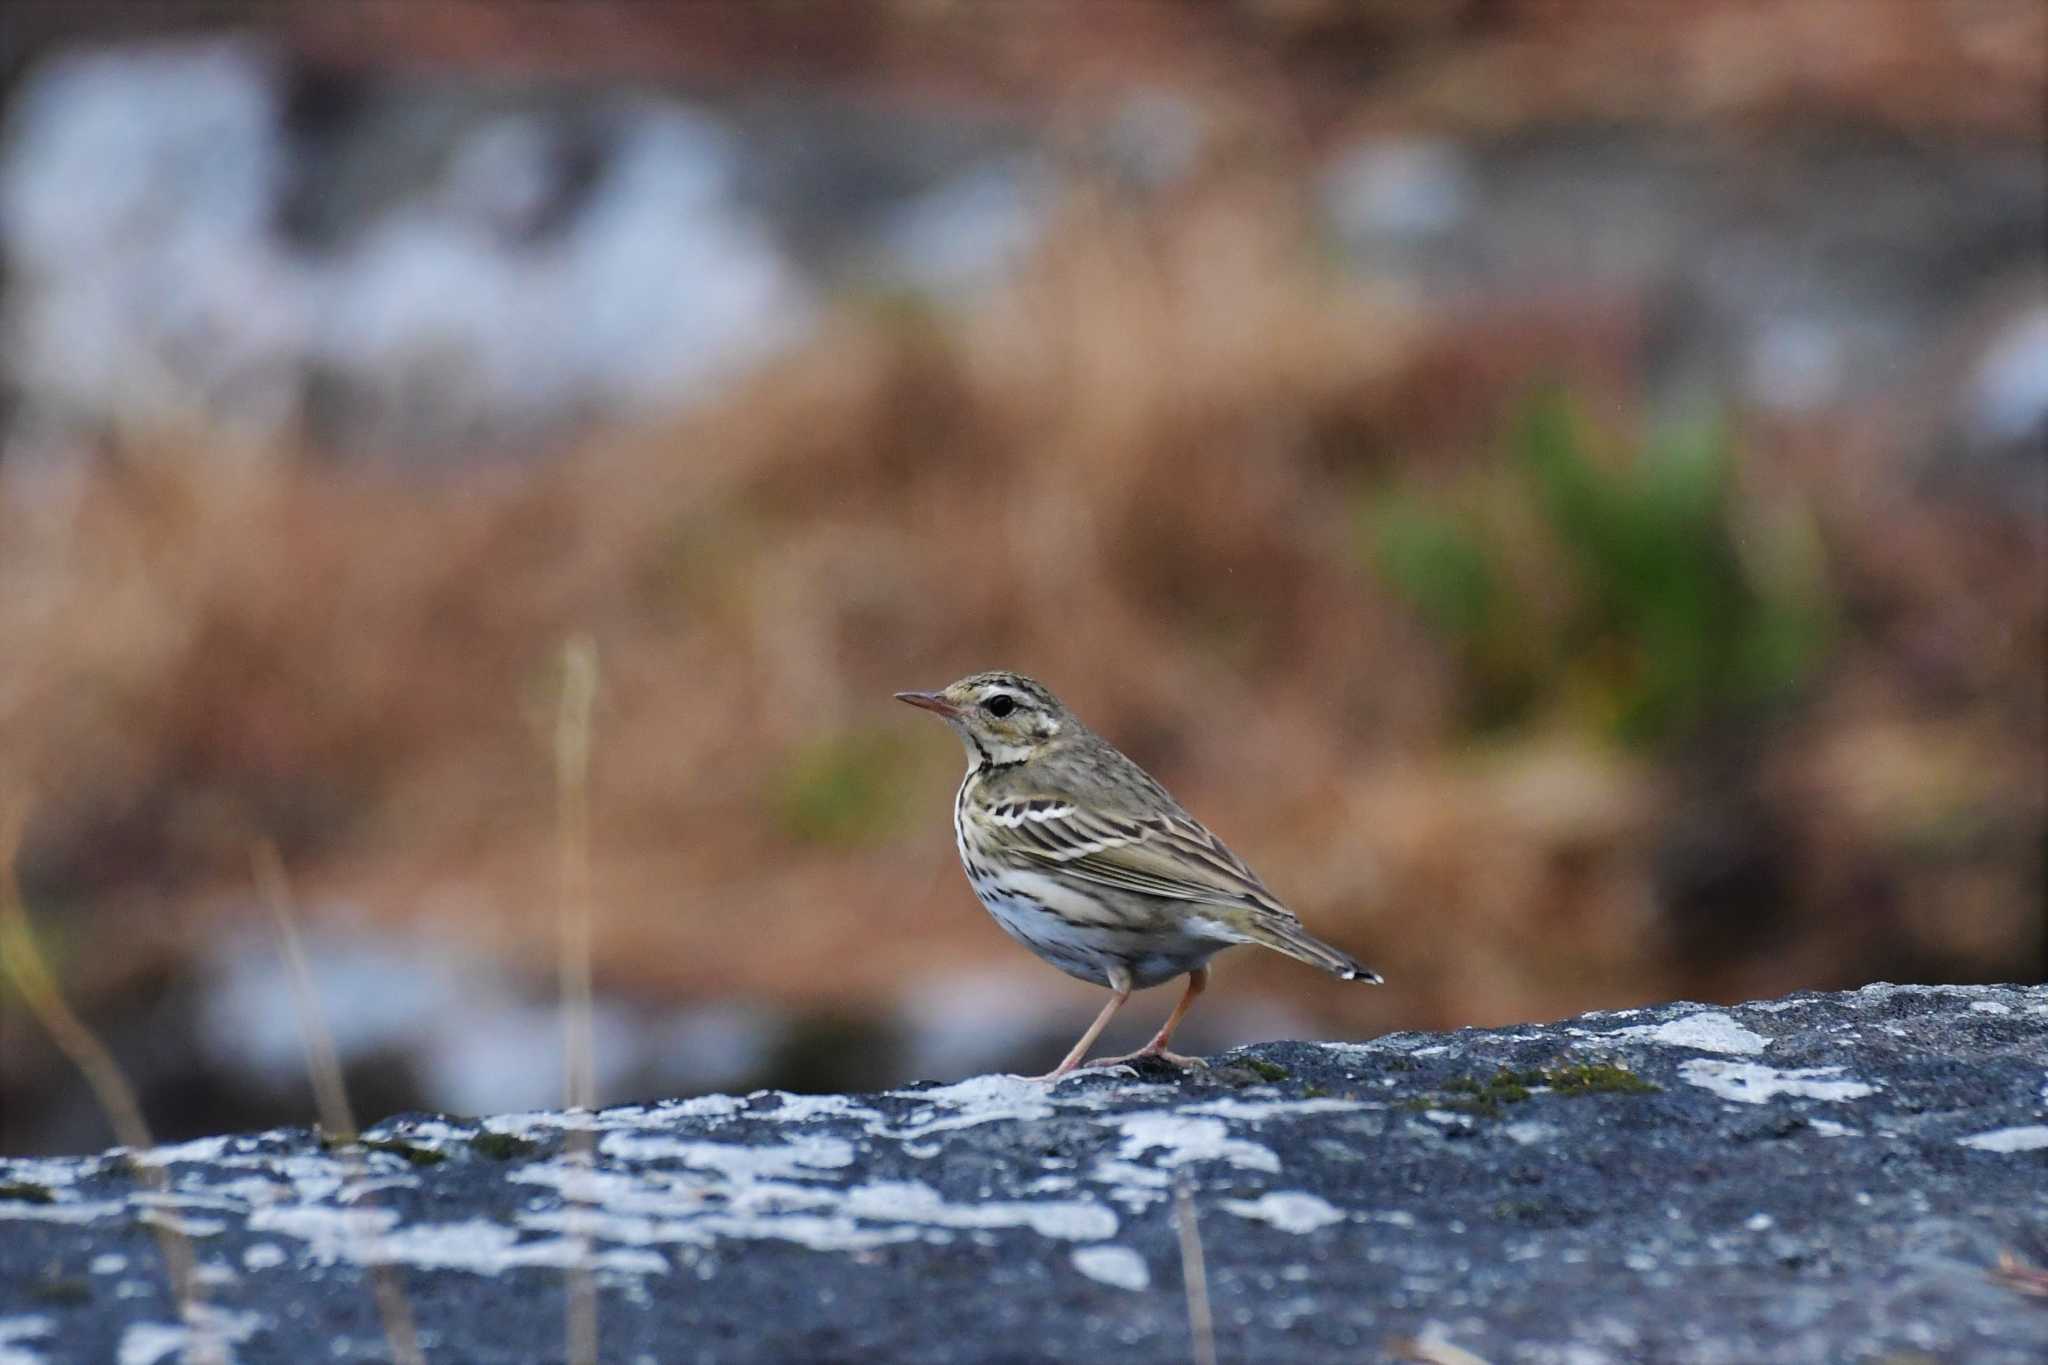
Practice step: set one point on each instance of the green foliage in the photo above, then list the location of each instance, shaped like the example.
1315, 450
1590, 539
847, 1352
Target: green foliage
1680, 603
843, 790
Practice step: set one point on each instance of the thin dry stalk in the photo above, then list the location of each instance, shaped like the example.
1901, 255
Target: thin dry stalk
330, 1092
572, 835
1194, 1275
31, 975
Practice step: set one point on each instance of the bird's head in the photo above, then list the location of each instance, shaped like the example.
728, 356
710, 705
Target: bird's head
1001, 717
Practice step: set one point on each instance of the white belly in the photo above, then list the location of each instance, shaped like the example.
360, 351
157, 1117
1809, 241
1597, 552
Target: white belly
1087, 937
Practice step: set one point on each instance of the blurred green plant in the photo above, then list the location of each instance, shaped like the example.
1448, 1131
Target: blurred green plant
843, 789
1646, 596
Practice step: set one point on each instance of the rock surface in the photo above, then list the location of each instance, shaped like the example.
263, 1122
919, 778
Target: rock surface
1820, 1178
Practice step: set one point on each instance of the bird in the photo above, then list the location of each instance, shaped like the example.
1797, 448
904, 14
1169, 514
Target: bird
1082, 857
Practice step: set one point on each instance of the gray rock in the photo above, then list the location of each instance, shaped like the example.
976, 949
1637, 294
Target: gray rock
1820, 1178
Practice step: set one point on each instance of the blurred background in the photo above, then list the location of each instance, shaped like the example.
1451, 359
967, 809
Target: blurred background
1561, 489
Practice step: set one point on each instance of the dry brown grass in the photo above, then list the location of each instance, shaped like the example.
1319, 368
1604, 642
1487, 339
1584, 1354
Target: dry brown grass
1136, 473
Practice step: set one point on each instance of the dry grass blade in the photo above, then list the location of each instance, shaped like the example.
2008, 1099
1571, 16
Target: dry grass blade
330, 1090
2014, 1273
572, 819
24, 964
1194, 1275
1421, 1351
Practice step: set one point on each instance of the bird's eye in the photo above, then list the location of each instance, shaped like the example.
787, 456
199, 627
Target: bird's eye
1000, 705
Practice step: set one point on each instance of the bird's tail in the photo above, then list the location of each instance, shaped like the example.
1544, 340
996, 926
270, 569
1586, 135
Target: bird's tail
1284, 934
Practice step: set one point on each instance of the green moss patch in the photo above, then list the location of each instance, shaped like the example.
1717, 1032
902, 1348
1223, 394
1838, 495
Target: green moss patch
1472, 1095
502, 1146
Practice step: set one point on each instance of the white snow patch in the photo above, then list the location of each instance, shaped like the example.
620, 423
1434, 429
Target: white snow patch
1828, 1128
1119, 1267
2030, 1138
1989, 1007
1529, 1132
1293, 1211
1709, 1032
1750, 1083
108, 1263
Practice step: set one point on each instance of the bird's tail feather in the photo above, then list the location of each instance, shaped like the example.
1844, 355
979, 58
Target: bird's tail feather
1285, 935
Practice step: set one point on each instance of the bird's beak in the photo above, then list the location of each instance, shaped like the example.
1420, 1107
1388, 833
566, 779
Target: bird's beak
930, 701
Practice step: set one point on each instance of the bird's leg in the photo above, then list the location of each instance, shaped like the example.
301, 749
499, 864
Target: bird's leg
1197, 980
1120, 986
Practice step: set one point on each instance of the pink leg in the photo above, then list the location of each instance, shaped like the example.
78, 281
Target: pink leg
1198, 979
1120, 984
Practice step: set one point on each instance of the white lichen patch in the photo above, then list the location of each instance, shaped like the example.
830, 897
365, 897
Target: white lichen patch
968, 1104
1258, 1111
798, 1157
2029, 1138
1711, 1031
643, 1208
1187, 1140
263, 1256
911, 1201
807, 1108
209, 1149
62, 1210
1295, 1211
183, 1226
1118, 1267
477, 1245
15, 1331
1752, 1083
47, 1172
147, 1343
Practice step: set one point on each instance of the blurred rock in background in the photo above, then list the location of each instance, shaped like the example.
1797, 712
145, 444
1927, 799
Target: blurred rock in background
1563, 493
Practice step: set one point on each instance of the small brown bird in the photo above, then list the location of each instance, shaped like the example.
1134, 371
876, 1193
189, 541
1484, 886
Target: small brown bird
1088, 862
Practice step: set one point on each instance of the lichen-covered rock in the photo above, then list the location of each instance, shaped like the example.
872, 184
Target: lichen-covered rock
1821, 1178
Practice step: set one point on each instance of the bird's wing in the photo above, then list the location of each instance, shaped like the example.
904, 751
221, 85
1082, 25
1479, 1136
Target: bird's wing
1167, 854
